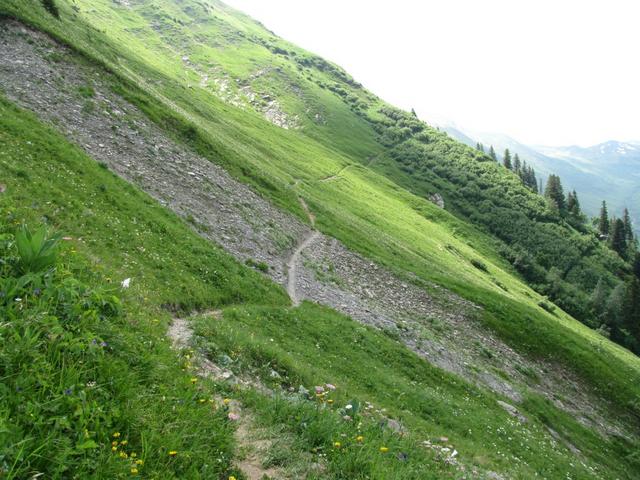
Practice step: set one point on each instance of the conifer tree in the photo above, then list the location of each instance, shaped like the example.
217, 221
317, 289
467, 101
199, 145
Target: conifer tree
517, 164
534, 181
573, 204
617, 238
506, 160
492, 153
570, 201
632, 311
603, 222
554, 194
628, 226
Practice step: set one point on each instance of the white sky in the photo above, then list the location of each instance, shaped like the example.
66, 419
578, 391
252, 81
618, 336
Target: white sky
552, 72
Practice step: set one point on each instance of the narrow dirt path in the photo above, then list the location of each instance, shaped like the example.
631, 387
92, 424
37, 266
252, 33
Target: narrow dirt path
292, 263
292, 266
252, 445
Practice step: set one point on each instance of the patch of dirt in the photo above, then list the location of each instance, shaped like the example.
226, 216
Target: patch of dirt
255, 450
251, 442
47, 78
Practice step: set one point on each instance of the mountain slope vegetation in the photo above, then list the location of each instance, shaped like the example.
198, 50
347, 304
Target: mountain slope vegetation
303, 134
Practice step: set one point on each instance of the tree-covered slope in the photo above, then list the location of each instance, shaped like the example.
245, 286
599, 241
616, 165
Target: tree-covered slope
197, 70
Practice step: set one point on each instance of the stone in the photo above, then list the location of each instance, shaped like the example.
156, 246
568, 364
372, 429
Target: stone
437, 199
513, 411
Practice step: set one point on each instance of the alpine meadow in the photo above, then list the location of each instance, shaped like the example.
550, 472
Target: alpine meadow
222, 257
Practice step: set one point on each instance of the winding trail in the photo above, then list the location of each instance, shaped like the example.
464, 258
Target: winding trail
292, 263
292, 266
253, 444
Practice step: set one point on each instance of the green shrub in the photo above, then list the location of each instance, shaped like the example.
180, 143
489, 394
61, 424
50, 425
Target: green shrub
262, 266
547, 306
479, 264
51, 7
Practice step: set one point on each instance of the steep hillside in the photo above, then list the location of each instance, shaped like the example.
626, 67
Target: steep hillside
612, 171
597, 173
296, 171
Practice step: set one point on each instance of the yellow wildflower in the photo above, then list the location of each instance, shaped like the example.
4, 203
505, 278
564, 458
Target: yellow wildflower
139, 462
114, 443
226, 401
330, 401
232, 477
337, 444
359, 439
124, 455
384, 449
134, 471
116, 435
134, 454
194, 379
114, 449
173, 453
202, 400
124, 442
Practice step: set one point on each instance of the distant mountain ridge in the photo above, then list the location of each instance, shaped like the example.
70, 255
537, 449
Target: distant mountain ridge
607, 171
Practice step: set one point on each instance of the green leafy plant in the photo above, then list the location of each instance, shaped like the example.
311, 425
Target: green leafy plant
36, 250
51, 7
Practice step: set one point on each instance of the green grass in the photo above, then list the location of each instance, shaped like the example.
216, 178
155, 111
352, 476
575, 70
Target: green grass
143, 392
64, 395
313, 345
125, 234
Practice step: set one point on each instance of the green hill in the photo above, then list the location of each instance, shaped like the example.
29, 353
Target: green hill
428, 327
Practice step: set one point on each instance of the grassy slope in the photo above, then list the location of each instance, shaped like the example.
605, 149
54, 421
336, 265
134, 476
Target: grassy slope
133, 237
141, 391
366, 211
412, 239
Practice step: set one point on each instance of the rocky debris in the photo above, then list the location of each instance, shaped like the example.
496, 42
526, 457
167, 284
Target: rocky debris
513, 411
119, 135
274, 113
395, 426
180, 333
441, 327
494, 476
437, 199
500, 386
571, 447
445, 453
241, 93
3, 188
333, 275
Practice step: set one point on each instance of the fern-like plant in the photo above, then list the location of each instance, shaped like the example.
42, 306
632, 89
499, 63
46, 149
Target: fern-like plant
36, 250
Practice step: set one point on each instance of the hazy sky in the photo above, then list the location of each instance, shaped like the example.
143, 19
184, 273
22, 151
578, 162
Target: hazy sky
549, 72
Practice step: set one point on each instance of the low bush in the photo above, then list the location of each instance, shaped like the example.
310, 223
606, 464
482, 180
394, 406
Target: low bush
51, 7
